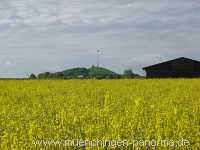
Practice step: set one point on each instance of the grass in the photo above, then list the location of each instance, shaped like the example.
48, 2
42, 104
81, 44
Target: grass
32, 111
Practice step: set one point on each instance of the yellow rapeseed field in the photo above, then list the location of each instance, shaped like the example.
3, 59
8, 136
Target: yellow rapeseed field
44, 114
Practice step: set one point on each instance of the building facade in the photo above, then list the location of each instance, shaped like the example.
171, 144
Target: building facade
177, 68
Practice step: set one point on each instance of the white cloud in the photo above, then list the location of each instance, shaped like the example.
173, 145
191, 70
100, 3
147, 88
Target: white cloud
70, 12
8, 63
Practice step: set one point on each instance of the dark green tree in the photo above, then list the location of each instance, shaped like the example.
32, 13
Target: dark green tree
128, 74
45, 75
32, 76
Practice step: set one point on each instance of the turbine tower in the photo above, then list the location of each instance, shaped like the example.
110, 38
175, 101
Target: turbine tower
98, 57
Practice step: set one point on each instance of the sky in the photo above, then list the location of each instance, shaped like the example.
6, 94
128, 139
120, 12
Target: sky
53, 35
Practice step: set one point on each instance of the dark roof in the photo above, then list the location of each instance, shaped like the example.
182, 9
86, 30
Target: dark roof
181, 58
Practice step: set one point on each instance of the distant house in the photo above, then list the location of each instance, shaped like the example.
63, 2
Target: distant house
177, 68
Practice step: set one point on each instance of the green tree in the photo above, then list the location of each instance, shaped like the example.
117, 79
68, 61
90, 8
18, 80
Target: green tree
32, 76
44, 75
128, 74
102, 73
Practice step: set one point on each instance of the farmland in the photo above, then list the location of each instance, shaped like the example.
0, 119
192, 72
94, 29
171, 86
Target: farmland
98, 109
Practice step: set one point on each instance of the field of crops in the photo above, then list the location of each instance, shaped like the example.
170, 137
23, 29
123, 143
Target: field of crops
37, 114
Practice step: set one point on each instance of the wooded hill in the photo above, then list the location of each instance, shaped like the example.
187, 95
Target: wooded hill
85, 73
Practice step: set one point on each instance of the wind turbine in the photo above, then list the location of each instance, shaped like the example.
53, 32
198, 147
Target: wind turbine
98, 57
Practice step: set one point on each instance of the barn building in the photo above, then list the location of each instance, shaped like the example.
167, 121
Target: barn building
177, 68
